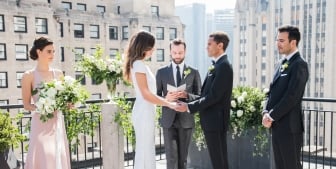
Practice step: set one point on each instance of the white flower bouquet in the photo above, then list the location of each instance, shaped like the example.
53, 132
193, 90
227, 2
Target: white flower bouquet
99, 68
59, 95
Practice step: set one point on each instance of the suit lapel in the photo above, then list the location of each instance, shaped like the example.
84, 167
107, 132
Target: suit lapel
278, 70
185, 67
170, 75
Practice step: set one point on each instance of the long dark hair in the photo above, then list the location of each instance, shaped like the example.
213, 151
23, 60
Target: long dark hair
39, 43
140, 43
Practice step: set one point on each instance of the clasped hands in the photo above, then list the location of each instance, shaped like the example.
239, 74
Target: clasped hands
267, 121
175, 104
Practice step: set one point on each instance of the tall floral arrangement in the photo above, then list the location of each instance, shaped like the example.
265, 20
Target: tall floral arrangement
247, 104
101, 68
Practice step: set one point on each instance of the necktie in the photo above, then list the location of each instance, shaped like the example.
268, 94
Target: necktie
213, 62
178, 76
284, 61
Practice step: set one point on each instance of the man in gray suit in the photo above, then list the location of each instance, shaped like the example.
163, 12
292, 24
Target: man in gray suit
177, 127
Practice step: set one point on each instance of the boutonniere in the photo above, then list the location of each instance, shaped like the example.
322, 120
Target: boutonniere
284, 66
211, 68
186, 72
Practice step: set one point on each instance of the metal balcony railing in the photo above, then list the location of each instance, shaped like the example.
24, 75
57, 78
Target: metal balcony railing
319, 144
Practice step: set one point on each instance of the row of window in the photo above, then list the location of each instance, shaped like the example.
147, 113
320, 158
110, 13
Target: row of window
41, 26
21, 52
102, 9
20, 24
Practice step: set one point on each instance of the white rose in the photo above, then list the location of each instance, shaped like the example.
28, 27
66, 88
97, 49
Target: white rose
240, 99
266, 90
59, 86
244, 94
69, 80
233, 104
51, 92
240, 113
252, 109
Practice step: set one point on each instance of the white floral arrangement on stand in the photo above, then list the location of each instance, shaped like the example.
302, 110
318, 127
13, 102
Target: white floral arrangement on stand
59, 95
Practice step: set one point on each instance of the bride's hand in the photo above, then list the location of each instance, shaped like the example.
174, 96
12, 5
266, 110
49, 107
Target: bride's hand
172, 105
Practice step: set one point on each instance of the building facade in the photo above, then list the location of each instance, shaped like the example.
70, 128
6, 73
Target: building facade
256, 54
77, 26
193, 17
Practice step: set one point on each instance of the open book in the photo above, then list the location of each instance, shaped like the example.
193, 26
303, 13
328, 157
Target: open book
175, 89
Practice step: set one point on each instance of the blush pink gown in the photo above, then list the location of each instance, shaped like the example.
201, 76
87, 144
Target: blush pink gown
48, 145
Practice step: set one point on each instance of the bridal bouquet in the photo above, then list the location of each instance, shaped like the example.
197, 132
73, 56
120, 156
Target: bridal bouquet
59, 95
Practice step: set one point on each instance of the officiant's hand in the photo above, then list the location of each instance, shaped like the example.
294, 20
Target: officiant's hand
182, 94
172, 96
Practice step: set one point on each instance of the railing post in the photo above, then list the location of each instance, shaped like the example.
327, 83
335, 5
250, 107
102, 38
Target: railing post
112, 138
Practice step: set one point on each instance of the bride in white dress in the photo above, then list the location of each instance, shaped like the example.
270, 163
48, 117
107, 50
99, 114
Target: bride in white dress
140, 47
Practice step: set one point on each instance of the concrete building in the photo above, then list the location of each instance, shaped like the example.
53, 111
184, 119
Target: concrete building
78, 25
256, 53
193, 17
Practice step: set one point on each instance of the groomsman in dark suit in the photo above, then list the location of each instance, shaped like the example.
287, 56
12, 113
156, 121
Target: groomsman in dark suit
177, 127
283, 112
214, 103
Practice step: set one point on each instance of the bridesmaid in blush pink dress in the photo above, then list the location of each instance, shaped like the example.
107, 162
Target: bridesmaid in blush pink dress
48, 145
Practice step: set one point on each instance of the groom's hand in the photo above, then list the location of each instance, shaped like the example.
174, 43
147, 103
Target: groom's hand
181, 107
266, 121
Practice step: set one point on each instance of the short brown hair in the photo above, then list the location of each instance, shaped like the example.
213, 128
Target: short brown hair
221, 37
177, 42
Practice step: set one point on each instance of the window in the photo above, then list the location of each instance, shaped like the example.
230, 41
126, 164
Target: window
78, 53
21, 52
41, 25
62, 54
2, 23
61, 29
172, 33
95, 96
67, 5
113, 32
160, 33
160, 55
155, 10
3, 51
4, 102
125, 32
3, 80
79, 76
81, 7
101, 9
20, 24
18, 79
94, 31
113, 53
147, 28
79, 30
92, 51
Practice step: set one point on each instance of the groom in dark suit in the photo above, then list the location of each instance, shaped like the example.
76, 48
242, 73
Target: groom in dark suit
215, 101
177, 127
283, 112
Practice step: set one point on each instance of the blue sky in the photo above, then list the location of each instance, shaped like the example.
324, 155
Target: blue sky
210, 4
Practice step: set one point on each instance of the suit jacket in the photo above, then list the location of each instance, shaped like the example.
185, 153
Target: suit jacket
285, 96
215, 101
192, 80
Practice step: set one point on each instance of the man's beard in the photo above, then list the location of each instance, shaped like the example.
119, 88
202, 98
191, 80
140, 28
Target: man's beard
178, 61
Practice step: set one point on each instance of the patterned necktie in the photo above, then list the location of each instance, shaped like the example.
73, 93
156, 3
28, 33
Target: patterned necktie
178, 76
